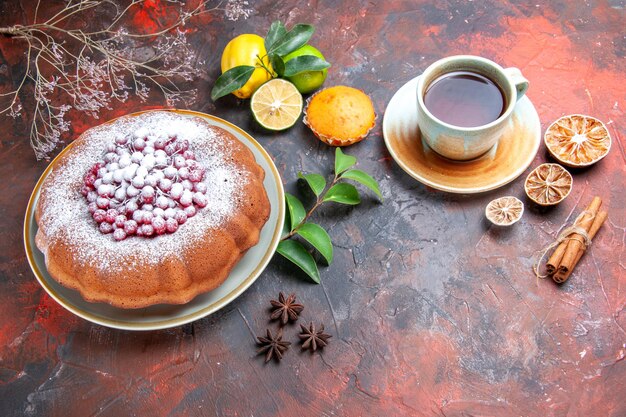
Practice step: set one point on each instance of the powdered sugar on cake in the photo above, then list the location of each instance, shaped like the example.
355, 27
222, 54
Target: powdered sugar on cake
66, 215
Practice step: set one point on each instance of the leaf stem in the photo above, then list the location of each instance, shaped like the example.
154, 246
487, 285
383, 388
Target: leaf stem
262, 64
320, 200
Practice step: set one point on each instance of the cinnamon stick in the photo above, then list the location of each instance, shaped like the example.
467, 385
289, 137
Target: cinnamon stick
575, 240
595, 226
555, 260
557, 256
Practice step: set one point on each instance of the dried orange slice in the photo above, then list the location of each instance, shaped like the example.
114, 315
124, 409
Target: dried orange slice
504, 211
577, 140
548, 184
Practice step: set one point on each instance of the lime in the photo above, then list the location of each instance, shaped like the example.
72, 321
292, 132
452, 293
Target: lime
307, 81
277, 104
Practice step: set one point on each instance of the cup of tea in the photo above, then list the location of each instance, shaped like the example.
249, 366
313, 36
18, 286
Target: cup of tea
464, 104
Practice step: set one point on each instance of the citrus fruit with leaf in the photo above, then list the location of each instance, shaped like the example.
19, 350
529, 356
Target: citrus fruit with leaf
577, 140
247, 52
277, 104
306, 81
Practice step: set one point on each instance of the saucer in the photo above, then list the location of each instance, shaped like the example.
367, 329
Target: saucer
507, 160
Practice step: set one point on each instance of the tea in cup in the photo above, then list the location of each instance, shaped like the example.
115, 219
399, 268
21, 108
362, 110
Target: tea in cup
464, 104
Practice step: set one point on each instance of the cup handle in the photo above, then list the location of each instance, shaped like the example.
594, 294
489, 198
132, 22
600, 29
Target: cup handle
516, 77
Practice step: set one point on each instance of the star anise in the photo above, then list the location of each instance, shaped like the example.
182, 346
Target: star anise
313, 339
272, 346
285, 308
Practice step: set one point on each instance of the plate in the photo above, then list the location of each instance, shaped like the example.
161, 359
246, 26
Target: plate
164, 316
502, 164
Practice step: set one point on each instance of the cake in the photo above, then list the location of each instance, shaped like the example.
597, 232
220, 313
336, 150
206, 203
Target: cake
149, 209
340, 115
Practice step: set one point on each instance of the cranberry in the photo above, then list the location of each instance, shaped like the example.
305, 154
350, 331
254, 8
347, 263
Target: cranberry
170, 172
169, 213
130, 227
183, 173
179, 162
92, 207
160, 143
162, 202
180, 216
189, 155
139, 144
187, 185
186, 199
171, 225
170, 149
106, 227
121, 140
177, 191
196, 175
111, 215
103, 202
150, 180
147, 230
159, 225
200, 187
119, 234
132, 191
99, 215
182, 145
120, 220
138, 216
147, 217
158, 212
190, 211
165, 184
89, 179
84, 190
200, 200
131, 206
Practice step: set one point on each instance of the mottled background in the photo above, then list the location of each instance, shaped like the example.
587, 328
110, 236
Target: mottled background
433, 311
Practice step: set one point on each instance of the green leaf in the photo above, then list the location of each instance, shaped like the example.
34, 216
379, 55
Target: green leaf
277, 31
317, 236
343, 193
286, 224
296, 210
315, 181
304, 63
343, 161
278, 65
363, 178
296, 253
297, 37
231, 80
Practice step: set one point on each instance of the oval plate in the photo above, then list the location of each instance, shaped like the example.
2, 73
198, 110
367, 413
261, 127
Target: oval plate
163, 316
502, 164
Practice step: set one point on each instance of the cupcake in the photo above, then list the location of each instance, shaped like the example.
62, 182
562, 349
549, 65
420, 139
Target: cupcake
340, 115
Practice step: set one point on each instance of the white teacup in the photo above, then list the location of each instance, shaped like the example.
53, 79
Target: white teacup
464, 143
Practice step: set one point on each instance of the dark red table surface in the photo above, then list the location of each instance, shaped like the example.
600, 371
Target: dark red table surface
433, 311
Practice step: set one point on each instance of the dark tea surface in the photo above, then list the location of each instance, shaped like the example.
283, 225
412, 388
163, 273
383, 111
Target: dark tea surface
464, 99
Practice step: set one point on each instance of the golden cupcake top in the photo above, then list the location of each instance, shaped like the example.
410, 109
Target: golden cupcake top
340, 115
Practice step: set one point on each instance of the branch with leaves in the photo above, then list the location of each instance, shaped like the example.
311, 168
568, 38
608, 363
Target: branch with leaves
298, 224
70, 67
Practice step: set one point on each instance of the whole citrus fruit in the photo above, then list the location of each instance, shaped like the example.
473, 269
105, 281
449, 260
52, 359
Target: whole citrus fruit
247, 49
307, 81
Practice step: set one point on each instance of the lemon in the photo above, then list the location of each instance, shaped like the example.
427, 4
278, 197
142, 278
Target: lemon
307, 81
277, 104
247, 49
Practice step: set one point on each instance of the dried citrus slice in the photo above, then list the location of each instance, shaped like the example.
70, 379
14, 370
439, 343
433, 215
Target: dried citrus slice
277, 104
577, 140
548, 184
504, 211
